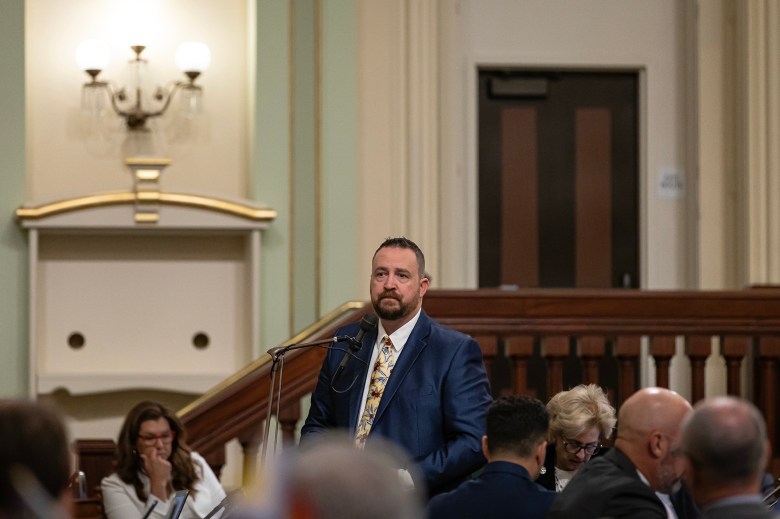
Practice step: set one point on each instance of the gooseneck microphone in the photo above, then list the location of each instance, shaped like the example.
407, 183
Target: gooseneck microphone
367, 324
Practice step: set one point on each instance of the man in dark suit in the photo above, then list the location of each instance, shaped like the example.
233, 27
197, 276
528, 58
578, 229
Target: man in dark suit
726, 447
646, 459
515, 448
414, 382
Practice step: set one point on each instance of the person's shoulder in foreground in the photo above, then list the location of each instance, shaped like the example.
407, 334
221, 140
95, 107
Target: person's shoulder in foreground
34, 462
515, 447
331, 479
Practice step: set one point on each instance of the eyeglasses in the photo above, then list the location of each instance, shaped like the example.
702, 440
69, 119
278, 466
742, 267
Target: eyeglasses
151, 439
573, 447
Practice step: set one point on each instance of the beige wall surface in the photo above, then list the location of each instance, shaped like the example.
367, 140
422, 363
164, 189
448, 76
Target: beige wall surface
70, 153
424, 160
718, 179
596, 35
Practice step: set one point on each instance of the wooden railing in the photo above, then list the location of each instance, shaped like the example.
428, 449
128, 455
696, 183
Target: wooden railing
540, 342
237, 408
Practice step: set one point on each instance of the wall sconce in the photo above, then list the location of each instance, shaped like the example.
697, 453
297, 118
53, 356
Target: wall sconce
93, 57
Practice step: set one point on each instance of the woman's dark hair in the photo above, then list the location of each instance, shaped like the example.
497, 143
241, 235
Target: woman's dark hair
129, 463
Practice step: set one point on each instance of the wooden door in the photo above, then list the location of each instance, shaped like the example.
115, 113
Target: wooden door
558, 179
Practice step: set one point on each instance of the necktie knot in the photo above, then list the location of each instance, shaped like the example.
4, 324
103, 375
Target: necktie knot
388, 342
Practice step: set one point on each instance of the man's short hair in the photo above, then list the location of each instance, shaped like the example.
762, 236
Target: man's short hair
402, 242
516, 424
33, 442
725, 438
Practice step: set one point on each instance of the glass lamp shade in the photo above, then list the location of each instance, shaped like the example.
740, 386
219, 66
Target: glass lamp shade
93, 55
193, 56
93, 99
191, 101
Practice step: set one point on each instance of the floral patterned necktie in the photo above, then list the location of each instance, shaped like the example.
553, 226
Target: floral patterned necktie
382, 368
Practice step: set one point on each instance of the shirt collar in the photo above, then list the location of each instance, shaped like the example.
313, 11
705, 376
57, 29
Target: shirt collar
401, 335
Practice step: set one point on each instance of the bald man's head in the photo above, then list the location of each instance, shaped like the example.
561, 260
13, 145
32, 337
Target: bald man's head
651, 409
649, 433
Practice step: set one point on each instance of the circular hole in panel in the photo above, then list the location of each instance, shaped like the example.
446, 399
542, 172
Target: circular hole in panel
200, 340
76, 340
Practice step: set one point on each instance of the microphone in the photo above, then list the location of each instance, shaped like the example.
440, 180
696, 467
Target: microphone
367, 324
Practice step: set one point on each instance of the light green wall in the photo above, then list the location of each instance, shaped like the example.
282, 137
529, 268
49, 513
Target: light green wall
341, 277
306, 182
13, 250
270, 165
309, 265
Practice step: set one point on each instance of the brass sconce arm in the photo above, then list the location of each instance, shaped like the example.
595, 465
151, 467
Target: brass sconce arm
133, 111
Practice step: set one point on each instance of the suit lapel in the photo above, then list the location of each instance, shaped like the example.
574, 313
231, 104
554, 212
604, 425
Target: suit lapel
417, 342
356, 393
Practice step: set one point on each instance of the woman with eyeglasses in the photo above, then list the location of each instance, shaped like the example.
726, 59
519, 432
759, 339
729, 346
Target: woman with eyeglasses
154, 461
581, 419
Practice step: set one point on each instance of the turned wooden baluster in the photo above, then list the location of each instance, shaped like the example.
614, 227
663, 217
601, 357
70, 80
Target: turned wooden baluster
627, 349
768, 353
216, 459
520, 348
250, 445
734, 348
489, 346
591, 350
662, 349
698, 348
555, 348
289, 415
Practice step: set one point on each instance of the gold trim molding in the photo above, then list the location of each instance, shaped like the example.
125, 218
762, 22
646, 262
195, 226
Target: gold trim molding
121, 198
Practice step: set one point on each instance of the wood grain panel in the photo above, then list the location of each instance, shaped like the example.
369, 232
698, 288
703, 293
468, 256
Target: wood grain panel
519, 198
593, 206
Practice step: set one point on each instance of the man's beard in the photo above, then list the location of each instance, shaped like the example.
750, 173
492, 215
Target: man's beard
668, 478
395, 313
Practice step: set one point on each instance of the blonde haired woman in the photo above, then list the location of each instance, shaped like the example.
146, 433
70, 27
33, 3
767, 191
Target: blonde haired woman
581, 419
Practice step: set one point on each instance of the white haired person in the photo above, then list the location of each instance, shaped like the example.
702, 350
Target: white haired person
581, 419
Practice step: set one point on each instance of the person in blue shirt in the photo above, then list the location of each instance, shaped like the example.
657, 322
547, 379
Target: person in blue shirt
515, 447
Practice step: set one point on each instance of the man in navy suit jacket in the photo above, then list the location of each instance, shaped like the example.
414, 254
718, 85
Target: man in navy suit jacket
437, 395
515, 447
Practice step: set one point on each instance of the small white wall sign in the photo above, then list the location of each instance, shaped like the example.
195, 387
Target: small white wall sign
671, 183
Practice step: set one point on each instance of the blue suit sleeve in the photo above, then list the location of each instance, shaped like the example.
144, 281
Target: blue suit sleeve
321, 413
465, 399
330, 410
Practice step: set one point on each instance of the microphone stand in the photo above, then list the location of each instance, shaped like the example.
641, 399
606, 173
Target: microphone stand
277, 354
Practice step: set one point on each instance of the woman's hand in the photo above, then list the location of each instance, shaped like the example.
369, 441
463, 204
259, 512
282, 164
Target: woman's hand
159, 471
